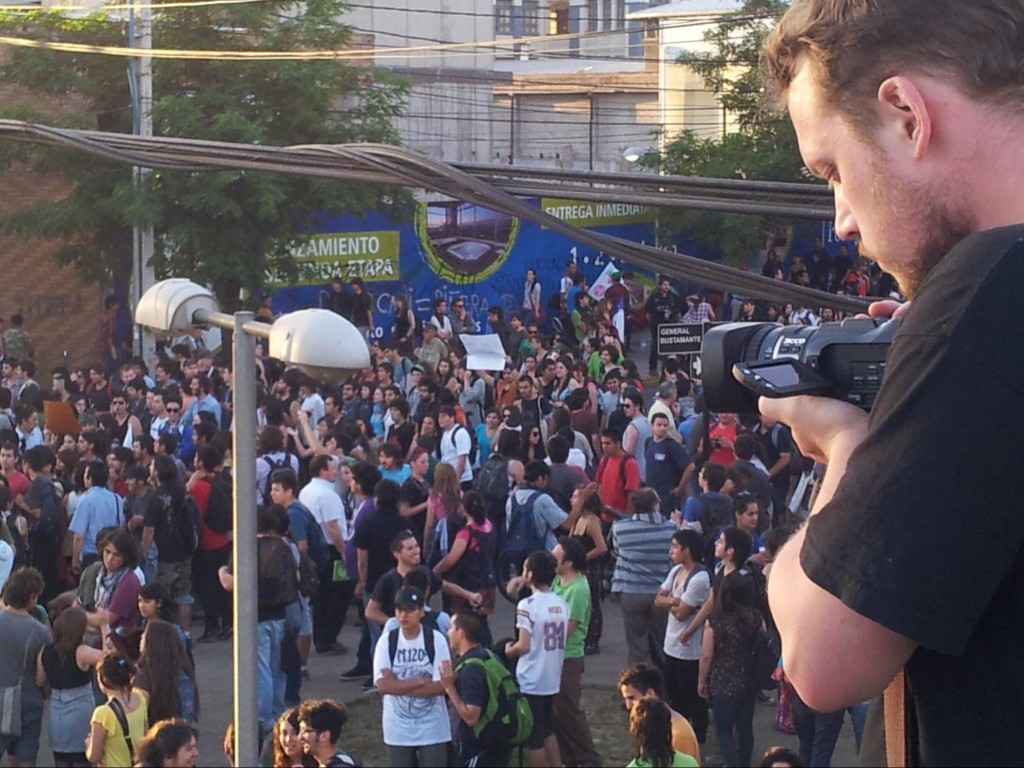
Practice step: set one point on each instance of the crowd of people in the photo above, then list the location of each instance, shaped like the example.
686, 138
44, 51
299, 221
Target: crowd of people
561, 479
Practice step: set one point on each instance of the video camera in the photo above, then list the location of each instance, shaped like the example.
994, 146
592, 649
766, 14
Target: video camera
844, 360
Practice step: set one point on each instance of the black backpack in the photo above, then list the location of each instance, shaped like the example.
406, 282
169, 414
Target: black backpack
277, 584
475, 569
492, 480
428, 640
274, 466
220, 509
316, 543
189, 525
309, 576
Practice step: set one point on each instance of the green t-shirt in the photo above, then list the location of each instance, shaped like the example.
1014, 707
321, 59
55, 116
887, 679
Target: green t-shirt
679, 760
577, 594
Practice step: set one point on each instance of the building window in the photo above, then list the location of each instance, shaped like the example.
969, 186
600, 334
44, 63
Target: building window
650, 29
608, 14
592, 15
503, 17
531, 9
558, 19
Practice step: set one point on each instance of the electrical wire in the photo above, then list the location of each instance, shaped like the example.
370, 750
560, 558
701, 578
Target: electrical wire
389, 165
416, 51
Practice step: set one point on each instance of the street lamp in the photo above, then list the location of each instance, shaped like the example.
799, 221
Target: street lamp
317, 340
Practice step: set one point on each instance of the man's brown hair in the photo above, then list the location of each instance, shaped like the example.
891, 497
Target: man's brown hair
854, 45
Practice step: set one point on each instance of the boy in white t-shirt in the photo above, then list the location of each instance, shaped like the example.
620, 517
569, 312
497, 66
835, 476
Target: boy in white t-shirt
686, 588
542, 620
407, 673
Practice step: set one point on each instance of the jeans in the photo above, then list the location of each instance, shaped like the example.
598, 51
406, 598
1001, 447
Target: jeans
817, 732
269, 677
734, 712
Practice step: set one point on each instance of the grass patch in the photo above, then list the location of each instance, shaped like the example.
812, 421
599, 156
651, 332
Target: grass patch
362, 737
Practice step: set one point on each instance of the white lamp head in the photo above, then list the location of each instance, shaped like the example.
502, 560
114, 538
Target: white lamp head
169, 306
319, 341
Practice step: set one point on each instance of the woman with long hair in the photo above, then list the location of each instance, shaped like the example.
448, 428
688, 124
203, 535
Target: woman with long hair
506, 389
727, 675
446, 494
470, 559
287, 749
587, 529
66, 666
486, 436
650, 729
533, 306
166, 675
532, 445
169, 744
404, 329
563, 383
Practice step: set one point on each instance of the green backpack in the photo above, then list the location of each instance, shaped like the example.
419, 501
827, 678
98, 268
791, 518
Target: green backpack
506, 719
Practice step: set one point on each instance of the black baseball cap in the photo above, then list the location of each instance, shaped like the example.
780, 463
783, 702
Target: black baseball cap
409, 598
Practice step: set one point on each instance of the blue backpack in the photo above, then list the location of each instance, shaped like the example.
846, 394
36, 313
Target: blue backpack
526, 533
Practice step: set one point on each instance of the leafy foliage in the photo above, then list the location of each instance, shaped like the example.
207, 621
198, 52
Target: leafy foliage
224, 228
763, 146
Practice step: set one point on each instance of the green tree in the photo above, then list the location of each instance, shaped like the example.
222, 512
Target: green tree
762, 147
225, 228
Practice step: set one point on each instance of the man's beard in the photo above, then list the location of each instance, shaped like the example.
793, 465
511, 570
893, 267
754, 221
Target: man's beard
935, 229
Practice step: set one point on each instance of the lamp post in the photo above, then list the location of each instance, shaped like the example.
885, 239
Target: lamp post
317, 340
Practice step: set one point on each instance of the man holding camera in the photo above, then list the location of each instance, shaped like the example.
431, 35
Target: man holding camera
890, 101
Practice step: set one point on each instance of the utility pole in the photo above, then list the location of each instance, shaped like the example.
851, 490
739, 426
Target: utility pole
142, 239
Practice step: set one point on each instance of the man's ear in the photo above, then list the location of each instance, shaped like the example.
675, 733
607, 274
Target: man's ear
904, 113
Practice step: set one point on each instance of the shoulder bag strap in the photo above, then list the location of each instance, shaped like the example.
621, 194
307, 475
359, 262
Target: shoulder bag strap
895, 706
122, 720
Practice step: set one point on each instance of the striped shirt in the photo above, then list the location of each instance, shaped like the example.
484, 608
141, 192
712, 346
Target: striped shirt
641, 544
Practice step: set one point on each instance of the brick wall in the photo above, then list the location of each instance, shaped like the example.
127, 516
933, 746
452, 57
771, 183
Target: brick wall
60, 310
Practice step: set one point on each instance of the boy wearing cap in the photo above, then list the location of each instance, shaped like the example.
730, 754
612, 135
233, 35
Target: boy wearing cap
407, 673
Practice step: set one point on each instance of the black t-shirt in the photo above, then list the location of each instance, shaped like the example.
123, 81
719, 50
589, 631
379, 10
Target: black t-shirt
388, 585
471, 683
402, 434
160, 515
415, 493
776, 441
924, 535
375, 534
361, 304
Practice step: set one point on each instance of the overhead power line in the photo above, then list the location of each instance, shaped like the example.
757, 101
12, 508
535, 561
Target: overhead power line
389, 165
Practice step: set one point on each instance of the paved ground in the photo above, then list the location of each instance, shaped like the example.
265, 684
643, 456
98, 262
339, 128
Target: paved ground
214, 663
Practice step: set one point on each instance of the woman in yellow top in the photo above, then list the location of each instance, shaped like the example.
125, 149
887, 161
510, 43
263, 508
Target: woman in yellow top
119, 724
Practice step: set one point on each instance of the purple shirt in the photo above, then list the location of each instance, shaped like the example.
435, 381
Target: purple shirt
366, 509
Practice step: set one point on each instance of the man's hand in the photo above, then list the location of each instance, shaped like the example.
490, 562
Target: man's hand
819, 424
447, 676
888, 308
476, 599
